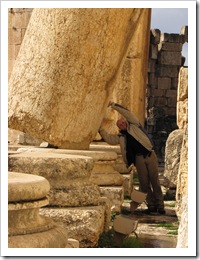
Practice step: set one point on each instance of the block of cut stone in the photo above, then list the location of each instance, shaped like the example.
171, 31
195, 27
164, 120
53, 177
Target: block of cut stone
167, 71
115, 195
170, 58
75, 195
107, 178
170, 46
84, 224
170, 37
124, 224
59, 169
128, 184
138, 196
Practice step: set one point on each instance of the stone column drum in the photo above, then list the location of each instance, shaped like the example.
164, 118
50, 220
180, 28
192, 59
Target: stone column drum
26, 227
74, 201
65, 72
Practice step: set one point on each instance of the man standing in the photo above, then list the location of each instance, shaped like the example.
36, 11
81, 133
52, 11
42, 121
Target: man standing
137, 148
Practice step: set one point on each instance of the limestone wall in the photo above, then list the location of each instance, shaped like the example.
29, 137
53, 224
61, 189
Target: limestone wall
165, 61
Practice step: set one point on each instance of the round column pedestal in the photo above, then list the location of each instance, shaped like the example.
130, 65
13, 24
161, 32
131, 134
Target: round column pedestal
26, 227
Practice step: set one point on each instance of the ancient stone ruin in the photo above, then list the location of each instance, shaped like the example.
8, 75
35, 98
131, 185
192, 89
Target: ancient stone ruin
58, 93
26, 227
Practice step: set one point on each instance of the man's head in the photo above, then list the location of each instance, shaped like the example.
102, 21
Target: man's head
121, 124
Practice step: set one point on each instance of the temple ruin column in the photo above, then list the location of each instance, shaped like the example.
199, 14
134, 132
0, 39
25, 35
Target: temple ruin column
66, 70
130, 89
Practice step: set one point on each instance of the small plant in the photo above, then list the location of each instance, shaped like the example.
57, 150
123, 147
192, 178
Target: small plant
132, 242
106, 239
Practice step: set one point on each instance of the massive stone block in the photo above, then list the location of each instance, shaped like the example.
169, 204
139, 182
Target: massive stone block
172, 155
65, 72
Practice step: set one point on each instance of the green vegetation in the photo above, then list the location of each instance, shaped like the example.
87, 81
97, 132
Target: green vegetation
175, 233
135, 179
106, 239
132, 242
169, 226
172, 205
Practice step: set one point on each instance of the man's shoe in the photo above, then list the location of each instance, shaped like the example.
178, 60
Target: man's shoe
161, 211
149, 211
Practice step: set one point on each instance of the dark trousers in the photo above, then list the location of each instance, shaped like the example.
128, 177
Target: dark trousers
147, 169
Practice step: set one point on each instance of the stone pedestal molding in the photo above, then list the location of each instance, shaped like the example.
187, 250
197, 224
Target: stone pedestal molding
71, 188
26, 227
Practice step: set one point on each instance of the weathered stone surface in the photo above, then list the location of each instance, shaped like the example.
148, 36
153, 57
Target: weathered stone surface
183, 84
169, 46
95, 155
182, 98
24, 219
182, 113
155, 36
75, 195
72, 76
130, 89
153, 52
167, 71
182, 186
183, 226
171, 37
170, 57
105, 147
26, 187
182, 193
106, 179
60, 170
103, 166
115, 195
184, 31
54, 238
104, 174
106, 203
83, 223
128, 184
26, 227
172, 155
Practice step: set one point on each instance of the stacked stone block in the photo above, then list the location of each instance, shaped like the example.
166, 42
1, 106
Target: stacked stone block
18, 19
165, 61
74, 201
